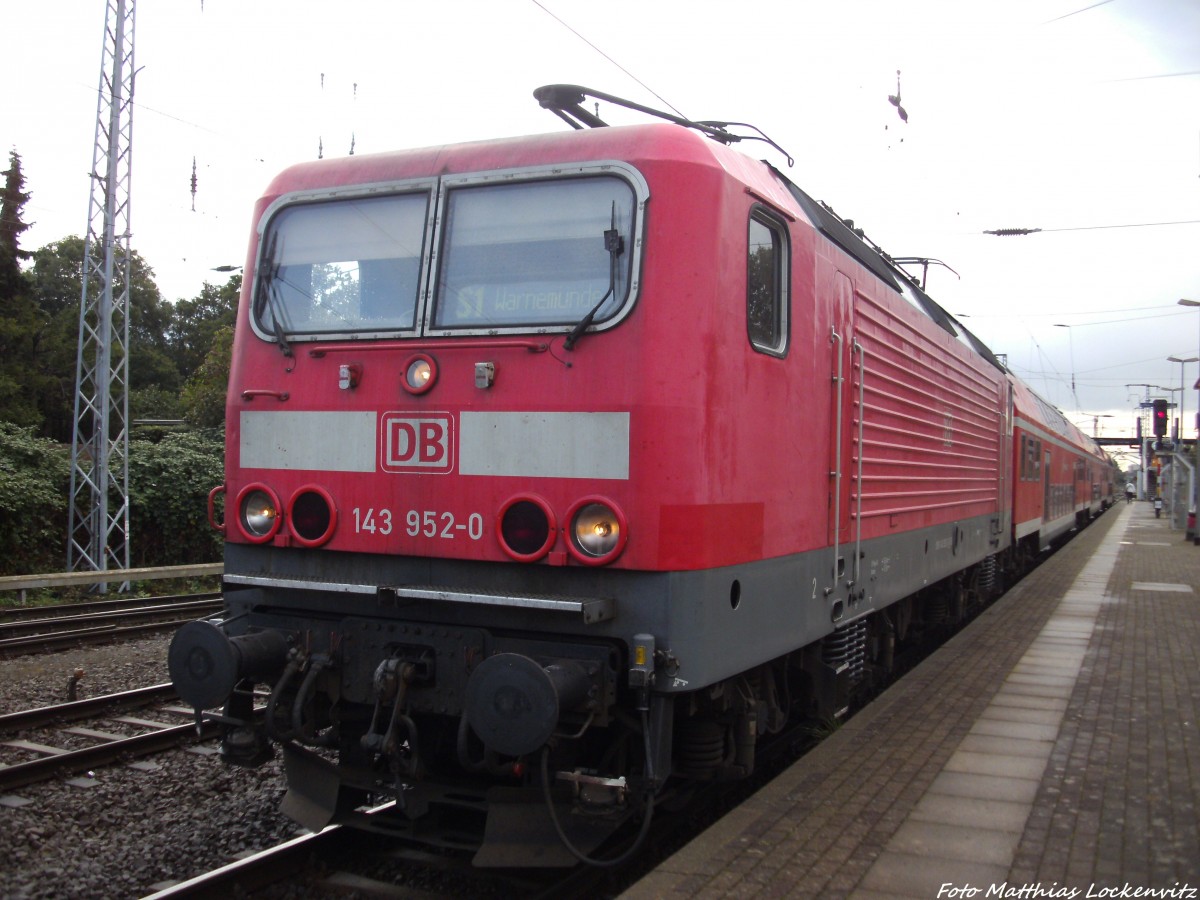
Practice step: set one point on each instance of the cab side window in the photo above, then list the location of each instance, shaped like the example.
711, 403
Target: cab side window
766, 284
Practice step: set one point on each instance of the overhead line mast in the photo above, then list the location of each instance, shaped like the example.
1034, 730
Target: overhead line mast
98, 537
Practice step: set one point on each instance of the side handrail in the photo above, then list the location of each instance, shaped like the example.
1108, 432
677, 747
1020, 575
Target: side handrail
212, 508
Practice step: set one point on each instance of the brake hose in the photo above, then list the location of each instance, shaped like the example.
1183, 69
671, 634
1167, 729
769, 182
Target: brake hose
566, 842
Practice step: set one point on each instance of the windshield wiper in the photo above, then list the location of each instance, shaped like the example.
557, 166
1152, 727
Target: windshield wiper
614, 245
266, 292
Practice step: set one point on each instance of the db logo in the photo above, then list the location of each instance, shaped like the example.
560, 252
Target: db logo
409, 443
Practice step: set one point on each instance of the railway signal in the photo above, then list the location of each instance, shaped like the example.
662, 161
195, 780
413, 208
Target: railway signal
1160, 418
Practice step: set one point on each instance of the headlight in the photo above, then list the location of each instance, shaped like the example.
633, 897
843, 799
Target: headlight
420, 372
597, 531
527, 529
258, 513
312, 516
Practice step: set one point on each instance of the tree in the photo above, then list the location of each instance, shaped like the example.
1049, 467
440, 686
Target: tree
56, 277
19, 320
196, 323
151, 359
168, 344
12, 226
204, 393
56, 286
19, 327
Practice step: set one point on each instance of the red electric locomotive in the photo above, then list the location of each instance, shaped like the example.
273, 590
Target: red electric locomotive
562, 469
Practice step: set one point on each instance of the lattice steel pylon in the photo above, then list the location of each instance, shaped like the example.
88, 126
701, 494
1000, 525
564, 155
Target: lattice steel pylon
98, 537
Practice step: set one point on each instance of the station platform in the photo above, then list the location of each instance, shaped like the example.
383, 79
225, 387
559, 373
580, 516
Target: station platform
1051, 749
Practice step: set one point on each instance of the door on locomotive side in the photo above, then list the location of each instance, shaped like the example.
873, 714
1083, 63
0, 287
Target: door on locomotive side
1004, 486
841, 442
1048, 511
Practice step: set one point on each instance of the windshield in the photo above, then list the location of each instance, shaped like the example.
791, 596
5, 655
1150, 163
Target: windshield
545, 253
345, 266
532, 254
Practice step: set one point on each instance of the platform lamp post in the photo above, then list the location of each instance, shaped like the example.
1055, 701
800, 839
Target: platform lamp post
1195, 303
1183, 361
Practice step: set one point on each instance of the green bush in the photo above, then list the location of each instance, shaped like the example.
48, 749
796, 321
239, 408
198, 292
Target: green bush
169, 483
34, 484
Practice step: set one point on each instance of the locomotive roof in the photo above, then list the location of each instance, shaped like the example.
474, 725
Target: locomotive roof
625, 142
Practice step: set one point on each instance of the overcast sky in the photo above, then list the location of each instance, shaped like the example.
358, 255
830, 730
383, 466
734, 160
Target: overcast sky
1078, 117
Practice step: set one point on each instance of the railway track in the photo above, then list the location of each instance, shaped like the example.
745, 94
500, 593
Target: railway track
354, 860
89, 607
46, 628
68, 748
341, 860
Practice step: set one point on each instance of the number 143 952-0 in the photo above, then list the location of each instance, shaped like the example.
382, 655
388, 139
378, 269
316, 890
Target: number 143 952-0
427, 523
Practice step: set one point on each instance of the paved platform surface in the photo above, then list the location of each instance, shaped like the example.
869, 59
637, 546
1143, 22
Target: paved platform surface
1051, 749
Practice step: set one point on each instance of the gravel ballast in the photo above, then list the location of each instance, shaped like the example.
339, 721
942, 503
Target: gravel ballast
132, 831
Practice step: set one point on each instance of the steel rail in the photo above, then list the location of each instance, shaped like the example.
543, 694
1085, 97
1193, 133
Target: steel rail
82, 709
267, 866
75, 761
30, 626
61, 639
50, 610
